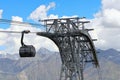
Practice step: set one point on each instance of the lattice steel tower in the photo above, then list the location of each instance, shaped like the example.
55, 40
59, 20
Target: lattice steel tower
75, 45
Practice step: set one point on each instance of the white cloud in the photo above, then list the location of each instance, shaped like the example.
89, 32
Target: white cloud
17, 18
1, 11
107, 25
40, 13
12, 41
51, 5
111, 4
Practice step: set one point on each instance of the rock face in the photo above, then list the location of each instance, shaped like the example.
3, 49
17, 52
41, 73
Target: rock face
46, 66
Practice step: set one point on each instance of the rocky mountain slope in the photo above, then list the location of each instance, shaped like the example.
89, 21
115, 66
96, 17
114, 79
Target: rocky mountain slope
46, 66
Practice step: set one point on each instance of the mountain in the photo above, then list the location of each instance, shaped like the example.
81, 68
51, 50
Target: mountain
10, 56
110, 55
46, 66
109, 61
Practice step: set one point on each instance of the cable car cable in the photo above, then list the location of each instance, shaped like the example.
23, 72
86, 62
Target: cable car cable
15, 31
18, 22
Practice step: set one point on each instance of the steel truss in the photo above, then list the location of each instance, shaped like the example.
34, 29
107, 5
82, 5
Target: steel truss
75, 45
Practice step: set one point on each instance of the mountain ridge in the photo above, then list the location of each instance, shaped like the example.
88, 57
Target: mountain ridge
46, 65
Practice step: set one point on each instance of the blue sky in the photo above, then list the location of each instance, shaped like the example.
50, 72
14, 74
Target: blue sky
104, 16
23, 8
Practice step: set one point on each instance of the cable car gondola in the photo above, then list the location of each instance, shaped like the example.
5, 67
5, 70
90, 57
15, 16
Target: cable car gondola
26, 50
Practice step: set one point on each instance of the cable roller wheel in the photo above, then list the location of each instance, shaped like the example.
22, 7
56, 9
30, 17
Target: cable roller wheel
26, 50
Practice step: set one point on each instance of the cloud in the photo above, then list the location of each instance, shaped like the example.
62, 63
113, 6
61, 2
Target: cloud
12, 41
1, 11
107, 26
105, 22
111, 4
40, 13
51, 5
17, 18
